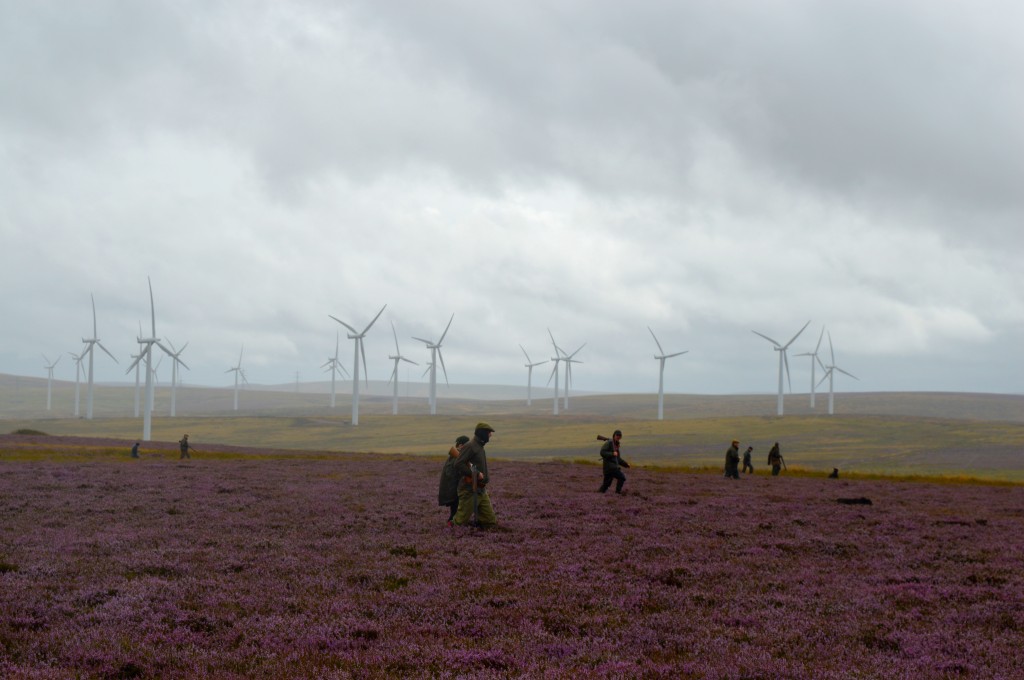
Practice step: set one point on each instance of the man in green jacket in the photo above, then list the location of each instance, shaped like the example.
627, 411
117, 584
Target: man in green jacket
472, 458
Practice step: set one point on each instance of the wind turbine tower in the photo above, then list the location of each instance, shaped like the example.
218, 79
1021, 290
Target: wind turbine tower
783, 360
239, 373
662, 357
333, 365
49, 379
529, 373
569, 361
830, 372
176, 360
359, 351
814, 360
147, 351
90, 345
435, 354
397, 357
78, 375
559, 356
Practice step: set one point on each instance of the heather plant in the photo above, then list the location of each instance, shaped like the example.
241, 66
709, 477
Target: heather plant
341, 566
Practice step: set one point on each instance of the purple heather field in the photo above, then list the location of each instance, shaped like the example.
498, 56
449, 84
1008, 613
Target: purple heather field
278, 566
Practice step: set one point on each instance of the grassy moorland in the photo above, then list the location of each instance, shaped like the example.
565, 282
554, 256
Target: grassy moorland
340, 566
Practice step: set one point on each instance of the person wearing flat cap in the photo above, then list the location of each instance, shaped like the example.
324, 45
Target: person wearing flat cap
472, 454
732, 461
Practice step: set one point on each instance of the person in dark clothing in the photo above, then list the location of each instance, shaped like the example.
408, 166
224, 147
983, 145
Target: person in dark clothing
135, 450
612, 463
775, 459
732, 461
473, 498
748, 466
448, 488
184, 446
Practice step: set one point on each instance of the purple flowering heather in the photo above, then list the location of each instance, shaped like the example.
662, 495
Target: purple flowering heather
272, 567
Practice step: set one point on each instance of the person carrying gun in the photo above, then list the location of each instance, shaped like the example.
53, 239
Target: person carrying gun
775, 460
612, 462
471, 465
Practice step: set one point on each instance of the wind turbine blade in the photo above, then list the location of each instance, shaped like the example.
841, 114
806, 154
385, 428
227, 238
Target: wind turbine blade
344, 324
362, 352
828, 372
766, 338
819, 362
426, 342
441, 357
374, 320
395, 333
818, 346
107, 351
660, 350
669, 356
182, 363
152, 307
410, 361
785, 361
558, 350
166, 351
831, 352
93, 298
525, 354
797, 334
553, 371
446, 332
846, 373
577, 350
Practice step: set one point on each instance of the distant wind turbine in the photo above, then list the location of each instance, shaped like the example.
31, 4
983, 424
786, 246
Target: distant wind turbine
529, 372
396, 357
176, 360
239, 373
90, 345
662, 357
435, 354
830, 372
49, 379
78, 375
569, 361
359, 351
559, 356
783, 361
333, 365
147, 351
814, 360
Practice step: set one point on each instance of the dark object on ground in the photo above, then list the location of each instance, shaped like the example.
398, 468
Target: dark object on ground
835, 474
27, 431
855, 501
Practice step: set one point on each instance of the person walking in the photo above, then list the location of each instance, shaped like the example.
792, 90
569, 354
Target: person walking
612, 463
185, 447
732, 461
748, 466
135, 450
448, 488
473, 496
775, 460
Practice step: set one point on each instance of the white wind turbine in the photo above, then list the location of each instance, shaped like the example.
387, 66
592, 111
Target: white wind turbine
783, 360
435, 354
137, 368
830, 371
175, 360
814, 360
147, 351
661, 373
49, 378
90, 344
359, 350
333, 365
78, 375
569, 361
559, 356
397, 357
529, 373
239, 373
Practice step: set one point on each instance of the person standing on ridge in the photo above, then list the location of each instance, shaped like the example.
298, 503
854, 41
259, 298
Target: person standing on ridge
732, 461
612, 463
748, 466
775, 460
473, 497
184, 446
448, 488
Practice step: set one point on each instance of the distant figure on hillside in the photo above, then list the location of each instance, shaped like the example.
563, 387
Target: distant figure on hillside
835, 474
135, 450
473, 497
775, 460
448, 488
184, 446
732, 461
748, 466
612, 463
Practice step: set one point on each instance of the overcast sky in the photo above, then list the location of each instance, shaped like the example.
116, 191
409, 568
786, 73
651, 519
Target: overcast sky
706, 169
